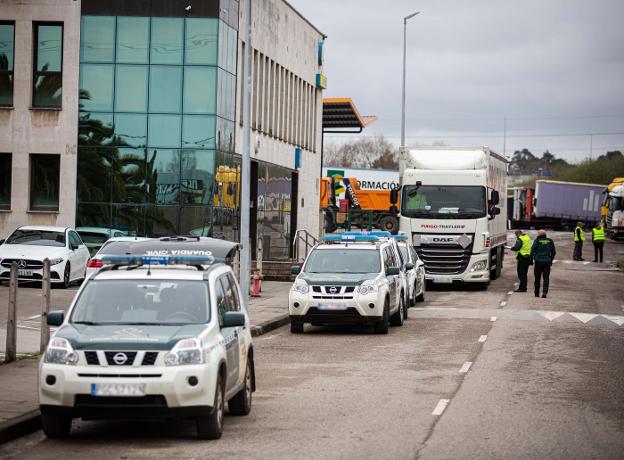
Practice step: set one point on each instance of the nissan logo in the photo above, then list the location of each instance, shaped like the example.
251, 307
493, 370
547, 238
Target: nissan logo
120, 359
22, 264
333, 290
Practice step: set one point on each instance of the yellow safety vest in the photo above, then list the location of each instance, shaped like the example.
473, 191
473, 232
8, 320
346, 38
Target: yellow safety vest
525, 250
576, 238
599, 234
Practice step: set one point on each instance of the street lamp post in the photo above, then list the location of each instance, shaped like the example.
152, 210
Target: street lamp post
405, 19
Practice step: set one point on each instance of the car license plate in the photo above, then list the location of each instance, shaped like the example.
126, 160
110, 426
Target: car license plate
442, 280
24, 272
332, 306
118, 389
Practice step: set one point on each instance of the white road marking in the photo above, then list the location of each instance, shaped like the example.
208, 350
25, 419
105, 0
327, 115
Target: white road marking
493, 318
510, 292
466, 367
551, 315
584, 317
619, 320
586, 263
502, 304
439, 408
483, 338
32, 317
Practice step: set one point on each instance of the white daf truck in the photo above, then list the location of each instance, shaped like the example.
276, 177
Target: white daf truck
453, 207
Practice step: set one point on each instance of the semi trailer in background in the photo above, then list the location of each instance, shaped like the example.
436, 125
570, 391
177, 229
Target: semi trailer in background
555, 204
453, 209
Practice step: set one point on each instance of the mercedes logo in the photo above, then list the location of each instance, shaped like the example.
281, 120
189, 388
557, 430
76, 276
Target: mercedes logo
333, 290
120, 359
21, 264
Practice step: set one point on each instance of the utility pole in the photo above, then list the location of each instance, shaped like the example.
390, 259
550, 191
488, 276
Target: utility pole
246, 163
405, 19
505, 137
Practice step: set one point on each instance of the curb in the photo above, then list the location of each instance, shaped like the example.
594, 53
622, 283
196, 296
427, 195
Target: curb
31, 421
269, 325
20, 426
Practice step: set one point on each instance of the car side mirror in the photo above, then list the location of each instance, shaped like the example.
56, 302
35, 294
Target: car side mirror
494, 212
233, 319
495, 197
394, 196
56, 317
392, 271
409, 266
295, 269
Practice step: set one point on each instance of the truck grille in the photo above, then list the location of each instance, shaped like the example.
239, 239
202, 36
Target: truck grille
444, 259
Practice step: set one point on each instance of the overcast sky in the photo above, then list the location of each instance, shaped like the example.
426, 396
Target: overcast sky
548, 66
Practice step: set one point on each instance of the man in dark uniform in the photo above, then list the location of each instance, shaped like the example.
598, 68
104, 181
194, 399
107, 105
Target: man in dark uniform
543, 253
522, 248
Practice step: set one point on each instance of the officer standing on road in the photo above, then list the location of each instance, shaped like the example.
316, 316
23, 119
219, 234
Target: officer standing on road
579, 237
543, 253
522, 248
598, 238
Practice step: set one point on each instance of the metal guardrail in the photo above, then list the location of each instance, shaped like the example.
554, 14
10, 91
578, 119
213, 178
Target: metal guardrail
302, 237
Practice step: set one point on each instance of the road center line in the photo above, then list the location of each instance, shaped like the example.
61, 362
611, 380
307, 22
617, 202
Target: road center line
483, 338
439, 408
466, 367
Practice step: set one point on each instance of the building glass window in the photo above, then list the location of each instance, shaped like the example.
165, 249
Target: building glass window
201, 41
96, 87
200, 90
165, 85
5, 180
131, 88
7, 51
44, 182
131, 129
198, 132
167, 41
97, 39
132, 40
164, 131
48, 65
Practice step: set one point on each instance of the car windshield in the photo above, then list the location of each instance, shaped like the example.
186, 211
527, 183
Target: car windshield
343, 261
142, 302
37, 238
443, 202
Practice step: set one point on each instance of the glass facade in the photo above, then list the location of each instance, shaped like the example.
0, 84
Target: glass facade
156, 126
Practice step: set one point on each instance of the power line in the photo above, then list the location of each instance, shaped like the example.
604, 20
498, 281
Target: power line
383, 119
476, 136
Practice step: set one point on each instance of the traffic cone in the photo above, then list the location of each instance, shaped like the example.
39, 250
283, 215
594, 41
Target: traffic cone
256, 285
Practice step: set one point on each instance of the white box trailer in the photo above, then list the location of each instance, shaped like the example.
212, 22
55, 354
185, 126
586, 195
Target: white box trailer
454, 209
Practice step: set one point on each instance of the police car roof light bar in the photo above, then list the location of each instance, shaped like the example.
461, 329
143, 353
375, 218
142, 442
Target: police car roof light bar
350, 238
378, 234
123, 260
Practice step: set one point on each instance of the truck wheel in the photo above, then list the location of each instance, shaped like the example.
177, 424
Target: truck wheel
240, 404
211, 426
381, 327
389, 224
55, 426
397, 318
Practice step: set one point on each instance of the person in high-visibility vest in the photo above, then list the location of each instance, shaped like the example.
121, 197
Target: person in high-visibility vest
522, 248
579, 237
598, 238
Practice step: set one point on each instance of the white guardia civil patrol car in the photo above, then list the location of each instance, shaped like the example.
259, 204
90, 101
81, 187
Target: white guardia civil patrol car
349, 279
150, 337
415, 274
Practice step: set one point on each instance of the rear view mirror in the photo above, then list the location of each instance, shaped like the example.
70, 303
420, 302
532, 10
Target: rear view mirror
394, 196
233, 319
495, 197
56, 317
295, 269
392, 271
409, 266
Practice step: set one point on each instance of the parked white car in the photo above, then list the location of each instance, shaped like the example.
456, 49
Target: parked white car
29, 246
95, 237
415, 271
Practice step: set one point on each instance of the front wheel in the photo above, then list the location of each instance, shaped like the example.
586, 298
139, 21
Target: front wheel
240, 404
211, 426
381, 326
296, 327
397, 318
66, 276
55, 426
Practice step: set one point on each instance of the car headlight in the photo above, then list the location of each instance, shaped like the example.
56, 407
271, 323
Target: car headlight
367, 287
479, 266
60, 351
186, 351
301, 287
56, 261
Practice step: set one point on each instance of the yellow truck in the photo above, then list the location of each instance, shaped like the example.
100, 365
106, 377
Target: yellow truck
612, 211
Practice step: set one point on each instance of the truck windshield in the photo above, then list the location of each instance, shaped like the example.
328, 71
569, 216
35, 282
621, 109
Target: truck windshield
343, 261
443, 202
146, 302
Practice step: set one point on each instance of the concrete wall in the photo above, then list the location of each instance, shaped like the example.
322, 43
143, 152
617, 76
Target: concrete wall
24, 130
281, 34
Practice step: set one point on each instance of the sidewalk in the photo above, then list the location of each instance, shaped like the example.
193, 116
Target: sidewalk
19, 408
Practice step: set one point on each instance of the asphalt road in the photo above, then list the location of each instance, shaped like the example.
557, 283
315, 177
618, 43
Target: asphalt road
471, 374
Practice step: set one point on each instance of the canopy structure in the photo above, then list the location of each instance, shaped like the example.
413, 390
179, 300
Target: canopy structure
341, 115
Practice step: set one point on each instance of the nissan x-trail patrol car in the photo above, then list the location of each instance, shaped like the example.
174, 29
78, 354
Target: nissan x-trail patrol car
150, 337
349, 279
